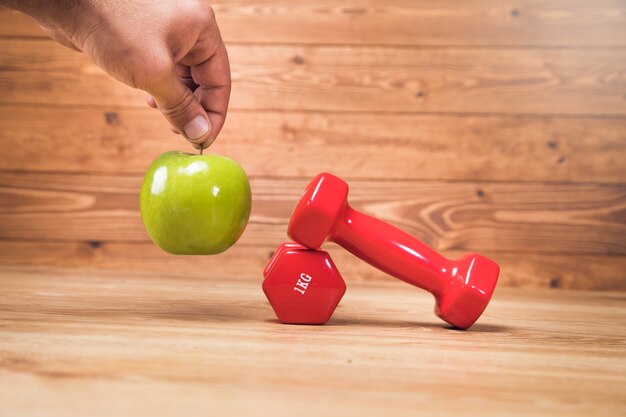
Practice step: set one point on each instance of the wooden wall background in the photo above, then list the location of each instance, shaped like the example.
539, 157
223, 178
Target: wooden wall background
495, 126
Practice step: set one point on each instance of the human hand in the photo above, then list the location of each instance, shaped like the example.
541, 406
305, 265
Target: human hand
171, 49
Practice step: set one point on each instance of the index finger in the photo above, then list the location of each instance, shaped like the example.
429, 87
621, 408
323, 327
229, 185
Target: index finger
210, 70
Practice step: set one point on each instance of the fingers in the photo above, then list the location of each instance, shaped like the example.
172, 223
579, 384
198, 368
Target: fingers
183, 71
187, 80
215, 101
181, 108
194, 97
152, 103
213, 92
189, 83
212, 95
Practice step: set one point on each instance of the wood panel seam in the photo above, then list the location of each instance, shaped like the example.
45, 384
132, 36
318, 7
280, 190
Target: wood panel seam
139, 174
45, 38
461, 115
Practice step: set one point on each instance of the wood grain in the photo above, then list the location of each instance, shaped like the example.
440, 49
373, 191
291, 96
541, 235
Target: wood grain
437, 147
555, 271
79, 343
498, 217
484, 125
406, 22
375, 79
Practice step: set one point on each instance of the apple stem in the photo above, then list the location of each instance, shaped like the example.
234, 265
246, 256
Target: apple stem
201, 149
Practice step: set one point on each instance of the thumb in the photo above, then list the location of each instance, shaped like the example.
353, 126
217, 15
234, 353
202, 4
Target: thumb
181, 108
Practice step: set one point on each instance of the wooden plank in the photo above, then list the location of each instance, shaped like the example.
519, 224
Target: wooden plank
78, 343
406, 22
375, 79
123, 140
580, 272
16, 24
498, 217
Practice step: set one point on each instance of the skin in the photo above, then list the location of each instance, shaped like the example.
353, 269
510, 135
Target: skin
195, 204
170, 49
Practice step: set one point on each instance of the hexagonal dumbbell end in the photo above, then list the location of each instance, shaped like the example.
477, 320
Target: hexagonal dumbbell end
302, 285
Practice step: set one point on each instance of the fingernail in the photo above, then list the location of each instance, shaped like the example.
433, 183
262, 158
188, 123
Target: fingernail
197, 128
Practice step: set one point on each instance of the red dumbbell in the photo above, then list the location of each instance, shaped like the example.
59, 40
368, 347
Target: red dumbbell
462, 288
302, 285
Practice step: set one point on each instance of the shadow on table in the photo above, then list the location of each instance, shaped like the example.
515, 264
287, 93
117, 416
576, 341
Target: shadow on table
188, 310
405, 324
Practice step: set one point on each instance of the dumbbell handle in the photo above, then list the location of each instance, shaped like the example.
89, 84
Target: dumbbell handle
392, 250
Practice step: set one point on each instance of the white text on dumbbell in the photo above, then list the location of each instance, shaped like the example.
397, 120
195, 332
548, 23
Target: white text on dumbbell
303, 283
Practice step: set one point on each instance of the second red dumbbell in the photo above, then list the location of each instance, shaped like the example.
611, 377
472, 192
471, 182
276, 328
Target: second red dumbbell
461, 287
303, 286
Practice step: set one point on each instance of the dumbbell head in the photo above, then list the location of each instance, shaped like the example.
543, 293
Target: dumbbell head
319, 206
474, 279
462, 288
302, 285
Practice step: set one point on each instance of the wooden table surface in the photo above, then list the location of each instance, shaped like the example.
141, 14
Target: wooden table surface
104, 343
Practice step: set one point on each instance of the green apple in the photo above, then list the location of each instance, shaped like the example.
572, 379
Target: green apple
195, 204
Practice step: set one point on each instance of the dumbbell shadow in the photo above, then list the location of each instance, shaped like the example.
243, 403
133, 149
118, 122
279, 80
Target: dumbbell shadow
341, 321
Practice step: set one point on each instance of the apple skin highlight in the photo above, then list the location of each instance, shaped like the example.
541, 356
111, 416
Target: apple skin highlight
195, 204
